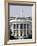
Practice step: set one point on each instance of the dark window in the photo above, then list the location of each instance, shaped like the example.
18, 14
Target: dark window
17, 26
27, 26
28, 29
24, 29
14, 26
21, 26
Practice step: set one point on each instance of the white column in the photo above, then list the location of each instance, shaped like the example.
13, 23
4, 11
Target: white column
23, 30
29, 28
26, 31
16, 30
12, 30
19, 30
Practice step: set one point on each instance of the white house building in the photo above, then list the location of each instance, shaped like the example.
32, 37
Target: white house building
21, 27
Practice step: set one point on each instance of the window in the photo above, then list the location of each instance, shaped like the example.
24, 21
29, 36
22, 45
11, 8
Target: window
21, 22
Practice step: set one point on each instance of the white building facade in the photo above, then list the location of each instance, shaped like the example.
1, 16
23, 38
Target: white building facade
21, 28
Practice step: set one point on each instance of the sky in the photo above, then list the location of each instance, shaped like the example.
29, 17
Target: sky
20, 11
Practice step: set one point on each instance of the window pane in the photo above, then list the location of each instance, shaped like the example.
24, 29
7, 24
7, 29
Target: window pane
20, 15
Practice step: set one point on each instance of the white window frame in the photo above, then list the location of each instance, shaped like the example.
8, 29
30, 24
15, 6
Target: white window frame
33, 40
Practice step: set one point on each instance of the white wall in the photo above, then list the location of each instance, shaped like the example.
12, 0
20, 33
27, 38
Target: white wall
1, 22
2, 27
